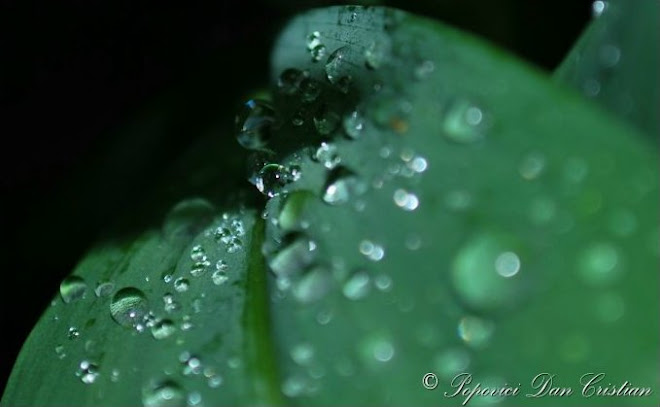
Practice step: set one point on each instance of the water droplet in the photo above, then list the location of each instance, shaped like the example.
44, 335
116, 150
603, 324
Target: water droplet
313, 286
383, 282
313, 40
340, 187
115, 375
72, 288
423, 70
199, 268
88, 372
532, 166
188, 218
475, 332
291, 215
165, 393
318, 52
197, 253
337, 69
104, 288
507, 264
375, 54
609, 55
309, 90
326, 122
598, 264
215, 381
73, 333
598, 7
327, 155
478, 272
418, 164
298, 119
272, 178
302, 354
163, 329
405, 200
297, 254
353, 124
382, 350
289, 80
254, 123
357, 287
219, 277
129, 306
464, 122
458, 200
192, 365
294, 386
413, 242
181, 284
59, 351
371, 250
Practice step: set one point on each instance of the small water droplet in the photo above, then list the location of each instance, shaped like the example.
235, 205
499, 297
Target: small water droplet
165, 393
294, 386
313, 286
254, 123
382, 350
104, 288
598, 264
340, 187
475, 332
219, 277
88, 372
298, 119
326, 122
302, 354
507, 264
309, 90
464, 122
375, 54
72, 288
532, 166
163, 329
337, 69
289, 80
424, 70
59, 351
405, 200
609, 55
371, 250
353, 124
598, 7
296, 255
358, 286
73, 333
383, 282
129, 306
181, 284
327, 155
418, 164
272, 178
591, 87
313, 40
318, 52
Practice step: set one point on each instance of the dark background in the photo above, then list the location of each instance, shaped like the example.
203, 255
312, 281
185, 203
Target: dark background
74, 75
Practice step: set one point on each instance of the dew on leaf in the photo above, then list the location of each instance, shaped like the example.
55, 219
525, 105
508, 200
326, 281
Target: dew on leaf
72, 288
272, 178
87, 371
165, 393
296, 255
104, 288
163, 329
464, 122
405, 200
254, 124
353, 124
532, 166
313, 286
327, 155
598, 264
129, 306
73, 333
357, 286
309, 90
338, 68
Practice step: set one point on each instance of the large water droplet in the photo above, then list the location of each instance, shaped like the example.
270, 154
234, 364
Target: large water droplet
485, 273
166, 393
72, 288
327, 155
297, 254
254, 123
337, 69
129, 306
598, 264
464, 122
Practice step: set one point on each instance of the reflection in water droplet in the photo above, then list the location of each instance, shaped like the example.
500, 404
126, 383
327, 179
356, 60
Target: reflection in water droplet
475, 332
598, 263
88, 372
532, 166
163, 329
464, 122
296, 255
72, 288
253, 124
313, 40
423, 70
485, 272
294, 386
357, 287
181, 284
327, 155
340, 187
165, 393
405, 200
318, 52
129, 306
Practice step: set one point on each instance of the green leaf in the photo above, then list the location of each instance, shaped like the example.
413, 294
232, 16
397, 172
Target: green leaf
470, 217
616, 61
